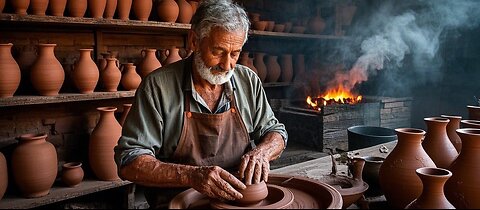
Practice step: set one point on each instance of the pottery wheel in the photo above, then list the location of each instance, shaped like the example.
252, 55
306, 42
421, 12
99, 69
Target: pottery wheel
278, 198
307, 194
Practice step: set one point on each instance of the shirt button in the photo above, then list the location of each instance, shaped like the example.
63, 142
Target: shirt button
233, 110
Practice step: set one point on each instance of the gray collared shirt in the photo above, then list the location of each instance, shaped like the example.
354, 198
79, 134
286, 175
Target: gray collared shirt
154, 123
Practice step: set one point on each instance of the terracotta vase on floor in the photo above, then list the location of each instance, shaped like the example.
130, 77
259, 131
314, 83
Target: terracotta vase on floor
437, 144
452, 126
463, 188
123, 9
3, 175
47, 74
72, 174
9, 71
77, 8
85, 74
397, 176
57, 7
103, 139
433, 196
34, 165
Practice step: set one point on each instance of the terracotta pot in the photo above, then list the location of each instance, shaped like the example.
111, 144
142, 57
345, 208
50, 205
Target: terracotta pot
72, 174
149, 62
34, 165
286, 65
130, 79
246, 61
102, 62
437, 144
110, 76
452, 126
39, 7
10, 71
3, 175
172, 55
47, 74
85, 74
398, 179
123, 9
470, 123
259, 63
57, 7
110, 9
260, 25
463, 188
185, 12
473, 112
126, 109
371, 175
273, 69
433, 196
77, 8
97, 8
20, 6
168, 10
103, 139
142, 9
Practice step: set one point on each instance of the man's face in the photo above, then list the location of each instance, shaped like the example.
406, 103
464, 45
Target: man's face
217, 54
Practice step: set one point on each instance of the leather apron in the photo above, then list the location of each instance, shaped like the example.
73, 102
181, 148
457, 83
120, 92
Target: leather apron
206, 140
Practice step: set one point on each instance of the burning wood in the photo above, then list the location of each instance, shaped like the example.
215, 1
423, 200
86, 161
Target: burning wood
338, 95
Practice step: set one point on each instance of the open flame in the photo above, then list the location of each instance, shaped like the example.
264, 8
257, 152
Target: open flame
338, 95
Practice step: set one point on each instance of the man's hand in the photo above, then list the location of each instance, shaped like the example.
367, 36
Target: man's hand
216, 182
255, 166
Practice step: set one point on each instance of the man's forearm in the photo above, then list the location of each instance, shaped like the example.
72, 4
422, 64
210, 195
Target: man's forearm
273, 144
148, 171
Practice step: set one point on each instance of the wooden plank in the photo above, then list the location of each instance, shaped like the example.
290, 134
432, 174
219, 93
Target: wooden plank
63, 97
60, 193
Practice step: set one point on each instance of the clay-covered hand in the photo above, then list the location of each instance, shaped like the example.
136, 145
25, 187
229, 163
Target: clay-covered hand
254, 167
215, 182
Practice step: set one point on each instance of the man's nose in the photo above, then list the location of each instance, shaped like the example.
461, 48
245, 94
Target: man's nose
227, 62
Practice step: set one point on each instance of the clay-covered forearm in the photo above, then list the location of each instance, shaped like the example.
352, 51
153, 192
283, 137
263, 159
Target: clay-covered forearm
272, 144
148, 171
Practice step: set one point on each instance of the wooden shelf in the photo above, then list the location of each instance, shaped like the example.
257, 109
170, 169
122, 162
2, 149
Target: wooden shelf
294, 35
60, 193
276, 84
62, 98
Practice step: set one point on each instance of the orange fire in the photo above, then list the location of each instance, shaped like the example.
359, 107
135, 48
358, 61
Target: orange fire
339, 95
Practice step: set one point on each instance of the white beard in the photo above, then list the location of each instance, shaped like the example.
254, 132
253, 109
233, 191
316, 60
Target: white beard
206, 72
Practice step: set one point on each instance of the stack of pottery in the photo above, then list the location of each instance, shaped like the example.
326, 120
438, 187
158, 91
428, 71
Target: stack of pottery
10, 71
34, 165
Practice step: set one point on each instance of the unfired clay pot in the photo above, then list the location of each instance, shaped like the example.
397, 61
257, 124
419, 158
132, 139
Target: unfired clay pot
253, 194
437, 144
433, 196
72, 174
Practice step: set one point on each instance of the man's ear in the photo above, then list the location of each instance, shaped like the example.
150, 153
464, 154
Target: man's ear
191, 41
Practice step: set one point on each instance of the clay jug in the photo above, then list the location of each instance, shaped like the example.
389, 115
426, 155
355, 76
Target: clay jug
123, 9
77, 8
57, 7
286, 64
85, 73
149, 62
273, 69
168, 10
298, 65
34, 165
130, 79
246, 61
463, 188
110, 76
172, 55
103, 139
9, 71
473, 112
72, 174
39, 7
126, 109
142, 9
370, 175
452, 126
47, 74
20, 6
260, 65
110, 9
97, 8
3, 175
437, 144
2, 5
185, 12
397, 176
432, 196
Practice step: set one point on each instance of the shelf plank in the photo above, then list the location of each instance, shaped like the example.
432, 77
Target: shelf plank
295, 35
60, 193
63, 97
